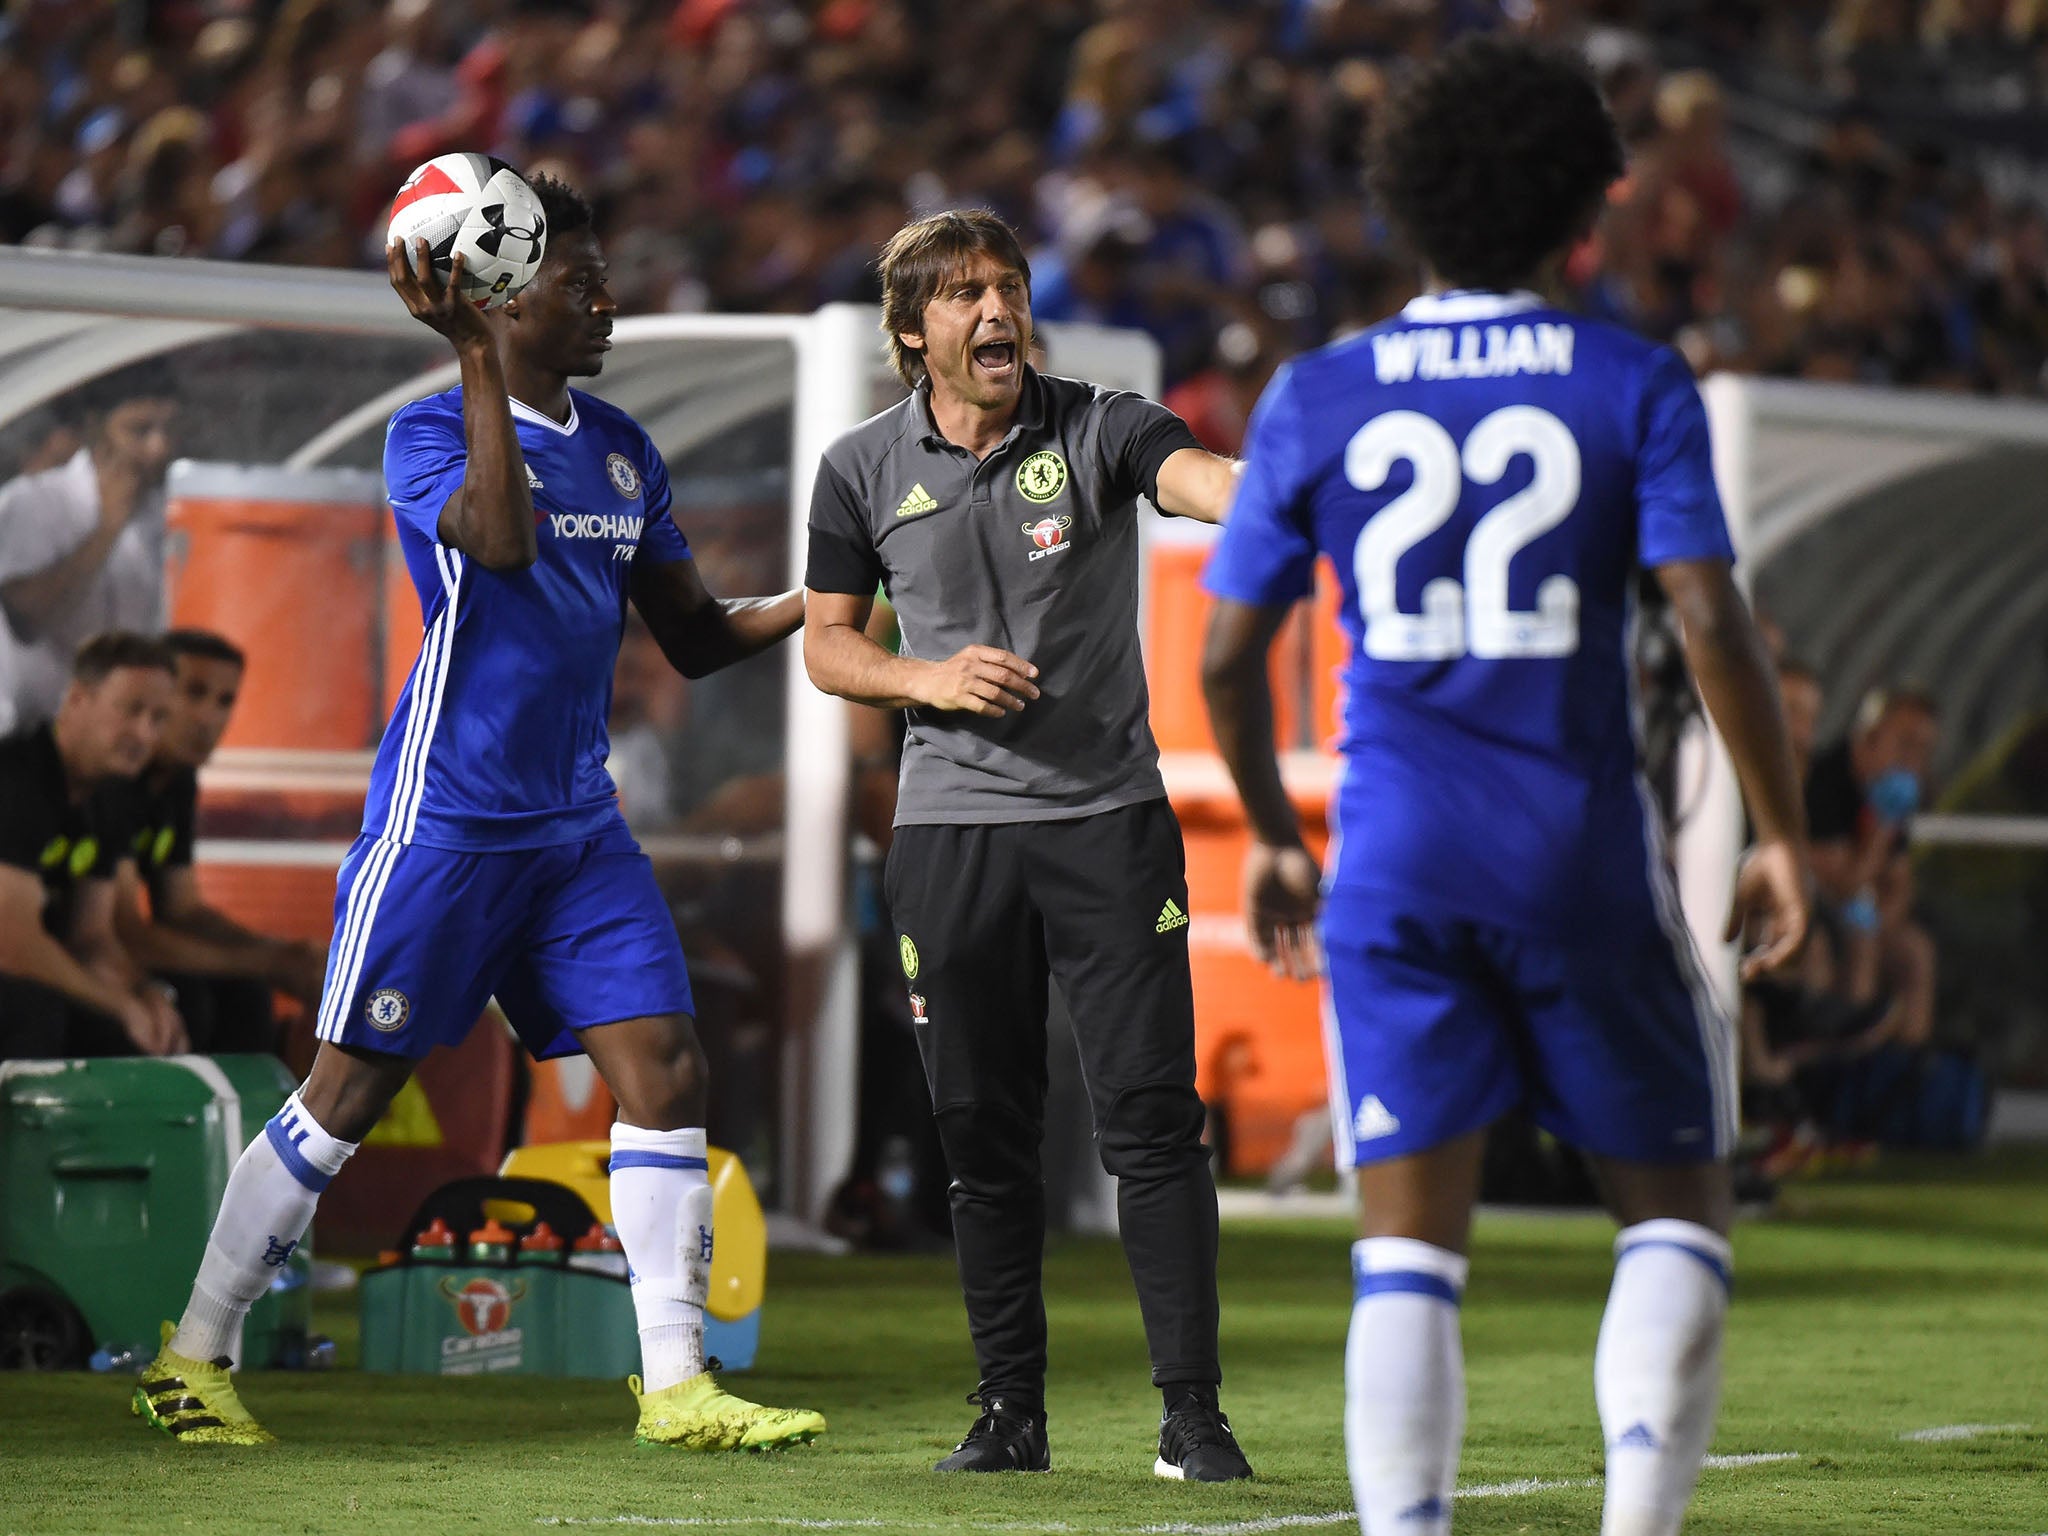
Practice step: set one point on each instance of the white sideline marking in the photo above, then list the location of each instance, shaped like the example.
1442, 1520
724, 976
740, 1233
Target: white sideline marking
1963, 1431
1751, 1459
1254, 1527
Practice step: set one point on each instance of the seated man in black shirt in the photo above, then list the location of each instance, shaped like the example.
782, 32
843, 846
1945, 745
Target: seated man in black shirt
223, 974
66, 985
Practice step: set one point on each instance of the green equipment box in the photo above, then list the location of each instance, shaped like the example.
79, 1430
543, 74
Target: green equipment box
474, 1319
110, 1174
516, 1305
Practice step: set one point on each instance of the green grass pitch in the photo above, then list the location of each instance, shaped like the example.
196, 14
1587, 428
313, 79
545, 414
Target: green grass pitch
1868, 1308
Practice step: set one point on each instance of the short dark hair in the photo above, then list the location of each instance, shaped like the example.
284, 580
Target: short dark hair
1493, 157
106, 653
565, 209
920, 257
205, 644
93, 401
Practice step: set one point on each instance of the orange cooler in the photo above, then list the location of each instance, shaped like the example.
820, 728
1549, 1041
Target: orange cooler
288, 564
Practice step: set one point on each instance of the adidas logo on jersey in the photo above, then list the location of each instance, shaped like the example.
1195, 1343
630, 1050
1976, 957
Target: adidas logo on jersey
533, 481
1171, 917
918, 502
1373, 1120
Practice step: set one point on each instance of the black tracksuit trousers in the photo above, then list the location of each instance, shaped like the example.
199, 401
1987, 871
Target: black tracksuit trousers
987, 915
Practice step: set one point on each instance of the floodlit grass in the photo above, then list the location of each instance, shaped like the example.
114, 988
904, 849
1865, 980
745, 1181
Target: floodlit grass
1869, 1307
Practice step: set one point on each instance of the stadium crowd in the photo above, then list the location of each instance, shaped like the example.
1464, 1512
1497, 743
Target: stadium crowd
1184, 165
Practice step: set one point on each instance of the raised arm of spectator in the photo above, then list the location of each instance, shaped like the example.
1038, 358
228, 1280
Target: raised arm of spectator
29, 952
1733, 670
489, 515
38, 578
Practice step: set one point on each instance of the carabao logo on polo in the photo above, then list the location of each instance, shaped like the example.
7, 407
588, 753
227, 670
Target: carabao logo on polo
1050, 535
625, 478
1042, 476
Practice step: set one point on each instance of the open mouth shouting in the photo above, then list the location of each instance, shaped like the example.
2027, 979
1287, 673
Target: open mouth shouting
996, 361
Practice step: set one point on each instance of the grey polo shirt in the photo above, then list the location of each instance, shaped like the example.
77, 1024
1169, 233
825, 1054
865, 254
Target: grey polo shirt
1033, 549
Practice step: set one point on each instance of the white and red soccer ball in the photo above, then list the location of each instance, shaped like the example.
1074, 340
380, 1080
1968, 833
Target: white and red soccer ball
480, 207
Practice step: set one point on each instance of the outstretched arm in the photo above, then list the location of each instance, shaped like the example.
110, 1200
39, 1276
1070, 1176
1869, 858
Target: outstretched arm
699, 633
1198, 484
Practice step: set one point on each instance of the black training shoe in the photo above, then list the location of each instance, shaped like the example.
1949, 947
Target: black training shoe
1003, 1439
1196, 1445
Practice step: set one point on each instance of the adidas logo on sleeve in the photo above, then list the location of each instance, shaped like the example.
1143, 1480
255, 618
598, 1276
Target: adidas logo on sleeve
1171, 917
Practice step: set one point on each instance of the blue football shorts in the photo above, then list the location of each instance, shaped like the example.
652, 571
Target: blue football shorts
1435, 1026
565, 938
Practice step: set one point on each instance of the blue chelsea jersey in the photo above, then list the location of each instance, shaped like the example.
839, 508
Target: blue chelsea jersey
499, 739
1487, 476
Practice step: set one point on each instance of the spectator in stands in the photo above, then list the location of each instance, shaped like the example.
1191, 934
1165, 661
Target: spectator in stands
82, 545
1860, 795
67, 988
223, 974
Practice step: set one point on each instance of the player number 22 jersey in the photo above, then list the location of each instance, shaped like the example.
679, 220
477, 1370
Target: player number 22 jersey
499, 739
1486, 476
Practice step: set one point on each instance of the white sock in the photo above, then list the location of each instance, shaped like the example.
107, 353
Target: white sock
1657, 1372
661, 1205
266, 1210
1404, 1385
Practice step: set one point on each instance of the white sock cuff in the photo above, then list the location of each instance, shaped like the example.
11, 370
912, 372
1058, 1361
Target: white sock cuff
1381, 1264
1706, 1245
309, 1153
635, 1146
671, 1291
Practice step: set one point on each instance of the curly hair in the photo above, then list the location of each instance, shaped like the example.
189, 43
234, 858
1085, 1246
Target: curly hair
1492, 158
565, 209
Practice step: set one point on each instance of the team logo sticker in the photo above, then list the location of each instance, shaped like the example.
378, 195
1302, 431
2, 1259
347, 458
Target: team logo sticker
907, 949
387, 1010
625, 478
1049, 534
1041, 477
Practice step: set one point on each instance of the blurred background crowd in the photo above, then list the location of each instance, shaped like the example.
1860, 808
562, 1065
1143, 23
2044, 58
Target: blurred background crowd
1825, 189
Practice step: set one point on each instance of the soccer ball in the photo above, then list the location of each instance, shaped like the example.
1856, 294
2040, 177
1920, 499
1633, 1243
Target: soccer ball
481, 207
